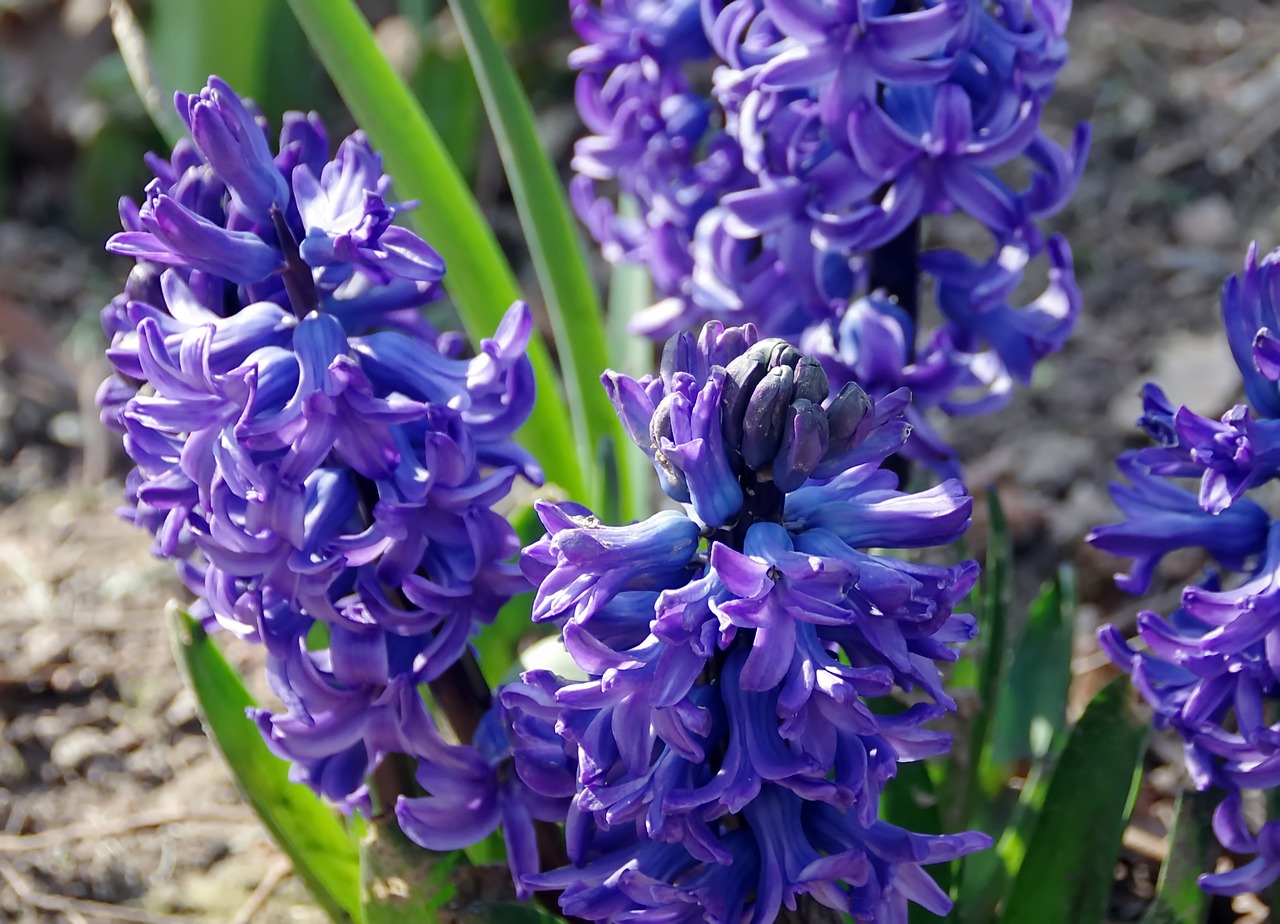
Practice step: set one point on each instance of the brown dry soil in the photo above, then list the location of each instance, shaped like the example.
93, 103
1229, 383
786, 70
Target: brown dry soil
113, 806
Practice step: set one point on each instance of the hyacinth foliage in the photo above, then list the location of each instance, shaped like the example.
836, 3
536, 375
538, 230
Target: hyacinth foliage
1211, 668
782, 154
765, 713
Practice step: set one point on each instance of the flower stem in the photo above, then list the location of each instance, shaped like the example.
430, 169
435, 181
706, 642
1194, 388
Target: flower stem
299, 284
463, 696
895, 268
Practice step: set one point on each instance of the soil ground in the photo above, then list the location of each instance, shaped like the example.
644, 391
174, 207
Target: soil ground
113, 806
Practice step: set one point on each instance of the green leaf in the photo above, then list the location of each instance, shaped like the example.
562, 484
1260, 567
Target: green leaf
1193, 849
630, 289
1033, 700
518, 20
304, 827
1029, 726
573, 304
191, 39
132, 42
480, 279
510, 913
997, 587
447, 89
1064, 875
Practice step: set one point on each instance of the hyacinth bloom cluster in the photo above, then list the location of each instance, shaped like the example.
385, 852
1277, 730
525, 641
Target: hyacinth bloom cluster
1211, 669
317, 460
781, 154
720, 749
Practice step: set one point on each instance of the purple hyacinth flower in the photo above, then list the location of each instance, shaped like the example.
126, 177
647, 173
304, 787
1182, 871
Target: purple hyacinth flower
1232, 831
319, 462
176, 236
235, 146
1210, 669
1249, 313
774, 192
1163, 517
728, 761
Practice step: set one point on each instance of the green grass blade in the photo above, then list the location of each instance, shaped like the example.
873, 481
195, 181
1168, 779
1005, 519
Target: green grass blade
521, 20
445, 86
573, 304
1028, 731
479, 278
304, 827
1063, 876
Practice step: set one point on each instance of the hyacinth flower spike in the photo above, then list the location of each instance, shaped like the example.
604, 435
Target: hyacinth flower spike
1211, 668
789, 188
320, 463
722, 758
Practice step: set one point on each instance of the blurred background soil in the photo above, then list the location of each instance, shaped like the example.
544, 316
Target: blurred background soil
113, 806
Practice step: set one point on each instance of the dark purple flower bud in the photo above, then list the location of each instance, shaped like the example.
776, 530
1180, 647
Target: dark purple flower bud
804, 444
766, 416
849, 417
811, 381
741, 378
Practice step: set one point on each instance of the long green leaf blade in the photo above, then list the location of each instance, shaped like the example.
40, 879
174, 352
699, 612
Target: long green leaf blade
1033, 700
1064, 876
573, 304
1029, 726
480, 279
191, 39
1192, 851
304, 827
997, 587
630, 290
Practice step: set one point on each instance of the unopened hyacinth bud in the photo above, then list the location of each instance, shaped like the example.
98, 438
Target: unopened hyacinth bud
773, 415
811, 381
765, 415
731, 413
805, 437
848, 418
